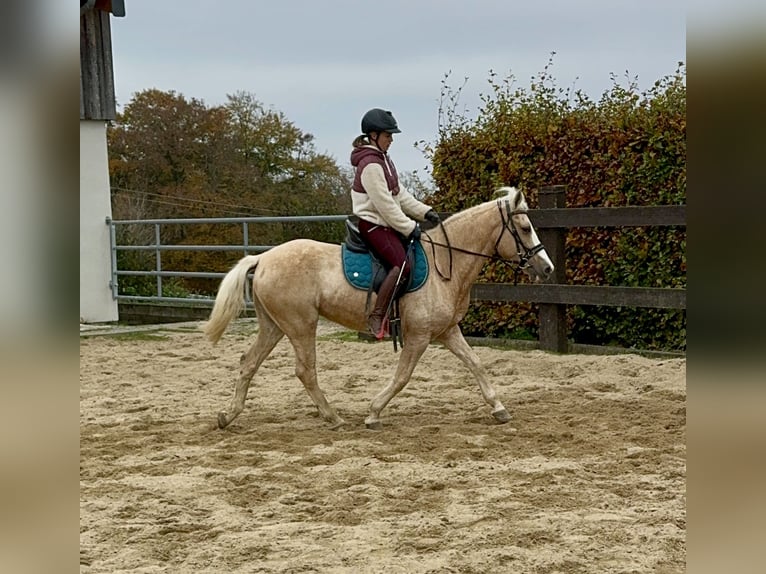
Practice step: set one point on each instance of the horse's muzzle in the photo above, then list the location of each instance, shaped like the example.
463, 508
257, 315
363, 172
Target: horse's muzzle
539, 276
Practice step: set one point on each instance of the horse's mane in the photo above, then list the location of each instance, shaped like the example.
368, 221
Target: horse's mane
500, 192
511, 193
505, 191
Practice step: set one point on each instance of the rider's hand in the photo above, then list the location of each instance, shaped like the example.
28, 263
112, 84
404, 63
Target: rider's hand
432, 216
415, 234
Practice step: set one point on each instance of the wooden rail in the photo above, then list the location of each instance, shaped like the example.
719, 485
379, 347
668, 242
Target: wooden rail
552, 221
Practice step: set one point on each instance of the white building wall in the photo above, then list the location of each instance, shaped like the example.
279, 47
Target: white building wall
96, 302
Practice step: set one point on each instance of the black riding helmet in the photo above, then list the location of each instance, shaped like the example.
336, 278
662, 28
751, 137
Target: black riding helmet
377, 120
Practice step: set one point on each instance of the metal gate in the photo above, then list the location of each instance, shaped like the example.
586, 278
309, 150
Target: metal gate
157, 247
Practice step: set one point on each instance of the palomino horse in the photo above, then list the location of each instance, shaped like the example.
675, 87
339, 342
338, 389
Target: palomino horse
298, 281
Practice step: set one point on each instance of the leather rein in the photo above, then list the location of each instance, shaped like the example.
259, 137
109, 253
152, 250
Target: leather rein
525, 255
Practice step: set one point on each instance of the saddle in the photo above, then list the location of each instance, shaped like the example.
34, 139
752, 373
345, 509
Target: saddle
365, 271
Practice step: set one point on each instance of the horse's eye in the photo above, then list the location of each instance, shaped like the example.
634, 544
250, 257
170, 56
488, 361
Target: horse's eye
526, 228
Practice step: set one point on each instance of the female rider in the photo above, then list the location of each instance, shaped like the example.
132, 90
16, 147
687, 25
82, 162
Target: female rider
387, 212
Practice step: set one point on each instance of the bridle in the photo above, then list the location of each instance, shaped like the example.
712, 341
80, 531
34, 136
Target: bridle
506, 216
510, 226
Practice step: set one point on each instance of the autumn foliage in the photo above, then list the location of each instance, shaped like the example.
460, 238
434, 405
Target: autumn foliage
175, 157
628, 148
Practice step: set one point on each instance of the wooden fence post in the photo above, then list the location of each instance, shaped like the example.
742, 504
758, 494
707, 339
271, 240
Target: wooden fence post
552, 317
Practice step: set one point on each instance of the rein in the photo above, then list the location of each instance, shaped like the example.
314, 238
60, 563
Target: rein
525, 255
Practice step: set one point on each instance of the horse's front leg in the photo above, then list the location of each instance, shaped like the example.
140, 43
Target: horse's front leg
454, 341
411, 353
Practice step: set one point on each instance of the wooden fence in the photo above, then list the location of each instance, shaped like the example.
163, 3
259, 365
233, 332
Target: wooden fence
551, 221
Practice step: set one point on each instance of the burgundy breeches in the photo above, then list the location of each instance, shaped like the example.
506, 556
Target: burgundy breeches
386, 243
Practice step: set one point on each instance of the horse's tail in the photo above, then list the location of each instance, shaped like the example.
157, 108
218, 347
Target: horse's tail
230, 300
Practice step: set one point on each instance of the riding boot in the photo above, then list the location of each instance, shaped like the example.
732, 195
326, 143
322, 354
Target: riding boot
377, 320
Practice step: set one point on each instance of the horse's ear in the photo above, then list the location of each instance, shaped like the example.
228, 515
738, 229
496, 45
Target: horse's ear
519, 199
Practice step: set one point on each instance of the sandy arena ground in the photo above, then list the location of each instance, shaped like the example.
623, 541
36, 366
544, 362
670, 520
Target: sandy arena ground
588, 477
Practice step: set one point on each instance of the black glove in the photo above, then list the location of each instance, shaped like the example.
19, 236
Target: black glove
433, 217
415, 234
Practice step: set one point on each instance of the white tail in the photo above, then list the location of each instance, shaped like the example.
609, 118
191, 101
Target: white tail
230, 300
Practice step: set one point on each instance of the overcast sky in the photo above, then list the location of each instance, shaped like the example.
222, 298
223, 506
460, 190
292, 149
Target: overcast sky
324, 63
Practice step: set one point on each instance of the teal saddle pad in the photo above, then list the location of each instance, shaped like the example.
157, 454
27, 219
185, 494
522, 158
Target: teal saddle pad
359, 269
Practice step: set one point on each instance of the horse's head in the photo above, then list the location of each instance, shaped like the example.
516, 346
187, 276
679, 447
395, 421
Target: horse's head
518, 240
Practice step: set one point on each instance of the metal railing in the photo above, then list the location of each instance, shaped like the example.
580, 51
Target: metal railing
158, 247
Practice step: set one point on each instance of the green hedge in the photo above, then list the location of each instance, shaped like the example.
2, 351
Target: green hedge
629, 148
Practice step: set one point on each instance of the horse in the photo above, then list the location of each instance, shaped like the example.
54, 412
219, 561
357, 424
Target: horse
300, 280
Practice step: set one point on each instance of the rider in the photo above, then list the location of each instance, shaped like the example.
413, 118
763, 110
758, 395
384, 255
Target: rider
387, 212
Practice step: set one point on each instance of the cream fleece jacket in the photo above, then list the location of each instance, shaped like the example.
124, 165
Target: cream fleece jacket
380, 206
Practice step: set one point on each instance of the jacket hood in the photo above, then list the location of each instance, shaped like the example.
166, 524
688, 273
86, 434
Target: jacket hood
359, 153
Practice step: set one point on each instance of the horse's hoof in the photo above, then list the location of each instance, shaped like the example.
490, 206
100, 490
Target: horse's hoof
375, 425
337, 424
222, 422
502, 416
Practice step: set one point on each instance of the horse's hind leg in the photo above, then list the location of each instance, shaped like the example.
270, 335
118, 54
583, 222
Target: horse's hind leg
454, 341
268, 336
305, 369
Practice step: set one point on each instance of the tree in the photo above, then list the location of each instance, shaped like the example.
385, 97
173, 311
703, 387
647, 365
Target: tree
417, 186
183, 158
175, 157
